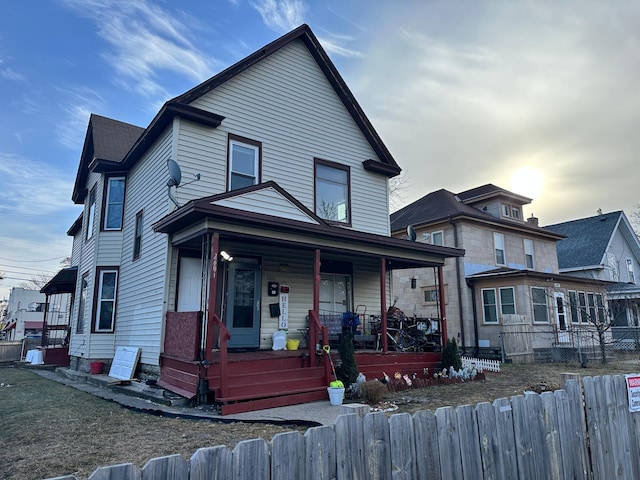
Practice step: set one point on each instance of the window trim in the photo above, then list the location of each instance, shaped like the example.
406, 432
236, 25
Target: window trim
546, 306
91, 215
338, 166
433, 288
487, 305
573, 306
245, 142
515, 213
97, 299
506, 210
441, 232
82, 302
526, 242
582, 307
105, 202
137, 235
631, 277
513, 291
497, 235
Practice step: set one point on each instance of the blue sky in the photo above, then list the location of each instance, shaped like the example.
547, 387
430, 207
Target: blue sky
541, 98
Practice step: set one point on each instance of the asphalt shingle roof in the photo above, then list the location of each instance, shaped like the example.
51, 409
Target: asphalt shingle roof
587, 239
112, 139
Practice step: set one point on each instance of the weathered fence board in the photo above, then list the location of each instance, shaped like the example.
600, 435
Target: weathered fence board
403, 449
213, 463
469, 446
557, 435
427, 450
250, 460
377, 442
349, 447
448, 443
172, 467
320, 445
287, 456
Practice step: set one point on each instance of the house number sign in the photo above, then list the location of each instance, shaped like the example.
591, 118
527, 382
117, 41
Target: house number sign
283, 320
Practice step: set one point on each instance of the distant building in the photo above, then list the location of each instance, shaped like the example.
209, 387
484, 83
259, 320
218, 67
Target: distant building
24, 314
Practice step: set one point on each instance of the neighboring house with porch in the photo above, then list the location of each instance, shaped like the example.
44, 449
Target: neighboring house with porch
506, 296
280, 221
605, 247
25, 312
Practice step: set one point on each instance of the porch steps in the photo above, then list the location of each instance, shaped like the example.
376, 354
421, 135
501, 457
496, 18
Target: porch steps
272, 402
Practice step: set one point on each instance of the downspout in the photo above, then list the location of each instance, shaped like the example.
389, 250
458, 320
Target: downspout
459, 285
475, 316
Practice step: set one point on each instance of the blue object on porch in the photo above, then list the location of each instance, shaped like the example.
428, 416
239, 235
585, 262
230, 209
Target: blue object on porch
350, 323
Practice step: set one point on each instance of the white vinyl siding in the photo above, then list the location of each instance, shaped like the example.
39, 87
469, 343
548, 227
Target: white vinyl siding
286, 103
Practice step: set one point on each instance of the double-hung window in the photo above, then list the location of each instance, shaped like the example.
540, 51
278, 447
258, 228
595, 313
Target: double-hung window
540, 307
498, 245
114, 203
528, 253
437, 238
137, 236
573, 306
332, 191
507, 301
632, 277
91, 214
82, 303
582, 305
105, 307
600, 308
243, 162
489, 305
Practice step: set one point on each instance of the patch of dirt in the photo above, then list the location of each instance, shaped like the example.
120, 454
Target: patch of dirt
49, 430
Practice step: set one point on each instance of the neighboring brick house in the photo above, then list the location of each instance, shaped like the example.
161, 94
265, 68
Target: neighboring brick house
506, 294
606, 247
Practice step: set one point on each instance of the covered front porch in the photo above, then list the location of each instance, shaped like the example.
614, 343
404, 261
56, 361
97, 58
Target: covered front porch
238, 278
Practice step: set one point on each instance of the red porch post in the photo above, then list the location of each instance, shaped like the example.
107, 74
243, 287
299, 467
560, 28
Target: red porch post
313, 332
383, 304
211, 305
443, 310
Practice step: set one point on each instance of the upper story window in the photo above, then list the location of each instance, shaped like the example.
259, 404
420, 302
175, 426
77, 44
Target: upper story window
105, 300
506, 211
137, 236
114, 203
91, 217
539, 301
515, 212
244, 159
528, 253
332, 191
498, 245
632, 277
437, 238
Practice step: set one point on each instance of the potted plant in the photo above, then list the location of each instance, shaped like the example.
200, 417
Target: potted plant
336, 387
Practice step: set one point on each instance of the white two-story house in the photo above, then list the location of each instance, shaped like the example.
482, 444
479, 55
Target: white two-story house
254, 203
506, 296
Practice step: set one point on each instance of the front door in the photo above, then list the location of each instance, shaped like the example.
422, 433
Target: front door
561, 318
242, 317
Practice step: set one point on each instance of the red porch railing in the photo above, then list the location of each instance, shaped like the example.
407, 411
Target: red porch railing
316, 328
223, 339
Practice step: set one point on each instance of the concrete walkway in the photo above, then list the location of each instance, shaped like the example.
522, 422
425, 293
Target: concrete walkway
153, 400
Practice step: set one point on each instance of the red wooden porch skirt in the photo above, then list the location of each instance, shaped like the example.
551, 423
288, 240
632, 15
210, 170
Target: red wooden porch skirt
182, 335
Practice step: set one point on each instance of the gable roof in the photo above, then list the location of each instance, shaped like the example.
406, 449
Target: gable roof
106, 140
586, 239
489, 190
137, 140
442, 205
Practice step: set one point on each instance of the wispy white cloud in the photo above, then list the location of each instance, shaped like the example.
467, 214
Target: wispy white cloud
281, 15
145, 39
10, 74
76, 105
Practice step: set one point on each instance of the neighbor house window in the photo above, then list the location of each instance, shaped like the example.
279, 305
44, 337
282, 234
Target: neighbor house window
632, 277
591, 299
332, 191
515, 212
507, 301
91, 217
506, 209
114, 203
498, 245
137, 236
489, 305
539, 300
243, 162
528, 253
105, 306
573, 306
430, 295
82, 305
582, 306
437, 238
600, 308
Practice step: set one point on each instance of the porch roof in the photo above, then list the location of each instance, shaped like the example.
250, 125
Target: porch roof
203, 215
62, 282
504, 272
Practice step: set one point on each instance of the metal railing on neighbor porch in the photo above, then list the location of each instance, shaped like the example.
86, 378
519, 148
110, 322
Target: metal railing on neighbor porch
580, 344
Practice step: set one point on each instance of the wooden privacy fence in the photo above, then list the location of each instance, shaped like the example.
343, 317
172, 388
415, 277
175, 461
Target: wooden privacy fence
549, 436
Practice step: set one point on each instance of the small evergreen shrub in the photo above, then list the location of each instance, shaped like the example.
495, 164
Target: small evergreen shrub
373, 391
451, 355
347, 371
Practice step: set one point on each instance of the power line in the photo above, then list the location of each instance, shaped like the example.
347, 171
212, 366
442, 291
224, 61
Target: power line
34, 261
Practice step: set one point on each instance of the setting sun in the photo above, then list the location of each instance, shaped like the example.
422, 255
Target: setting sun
527, 181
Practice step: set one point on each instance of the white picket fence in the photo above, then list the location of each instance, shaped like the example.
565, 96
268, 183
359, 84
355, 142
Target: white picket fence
554, 435
481, 364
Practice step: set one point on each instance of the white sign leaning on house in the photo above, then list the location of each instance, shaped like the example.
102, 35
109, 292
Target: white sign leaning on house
283, 320
633, 390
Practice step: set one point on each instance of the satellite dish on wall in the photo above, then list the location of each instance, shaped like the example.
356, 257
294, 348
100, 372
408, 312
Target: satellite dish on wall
175, 175
411, 233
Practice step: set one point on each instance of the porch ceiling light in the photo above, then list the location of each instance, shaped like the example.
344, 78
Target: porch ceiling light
225, 256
